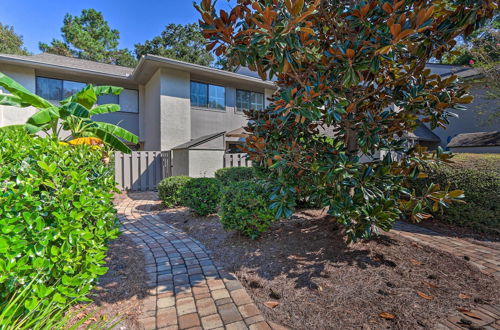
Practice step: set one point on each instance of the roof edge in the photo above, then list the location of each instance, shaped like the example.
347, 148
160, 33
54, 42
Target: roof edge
198, 141
19, 61
197, 67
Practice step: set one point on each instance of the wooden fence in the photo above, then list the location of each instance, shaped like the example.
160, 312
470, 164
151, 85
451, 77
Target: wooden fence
237, 160
141, 170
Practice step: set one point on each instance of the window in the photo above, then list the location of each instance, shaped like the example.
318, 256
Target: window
71, 87
246, 100
49, 89
199, 94
57, 90
216, 97
208, 96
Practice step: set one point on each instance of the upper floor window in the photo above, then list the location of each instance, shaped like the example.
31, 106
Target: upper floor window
57, 90
208, 96
246, 100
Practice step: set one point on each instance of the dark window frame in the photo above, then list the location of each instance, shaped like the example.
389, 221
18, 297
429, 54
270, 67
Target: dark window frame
251, 93
207, 105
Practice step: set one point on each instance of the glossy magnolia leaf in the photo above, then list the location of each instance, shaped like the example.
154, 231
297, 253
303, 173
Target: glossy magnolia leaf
22, 93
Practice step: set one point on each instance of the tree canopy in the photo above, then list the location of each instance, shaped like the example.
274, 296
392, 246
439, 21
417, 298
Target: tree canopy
355, 69
89, 37
11, 42
180, 42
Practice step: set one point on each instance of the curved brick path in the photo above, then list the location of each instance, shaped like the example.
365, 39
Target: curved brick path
186, 289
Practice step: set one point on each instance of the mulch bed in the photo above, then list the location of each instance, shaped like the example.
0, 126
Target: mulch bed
320, 282
120, 291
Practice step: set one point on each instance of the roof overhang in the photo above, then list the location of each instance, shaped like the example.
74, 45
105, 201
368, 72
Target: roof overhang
149, 64
61, 69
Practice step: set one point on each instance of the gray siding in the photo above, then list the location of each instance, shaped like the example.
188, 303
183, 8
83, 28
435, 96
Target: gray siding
475, 119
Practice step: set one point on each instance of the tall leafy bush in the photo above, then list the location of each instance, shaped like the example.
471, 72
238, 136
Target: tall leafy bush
56, 216
201, 195
170, 189
481, 210
234, 174
244, 207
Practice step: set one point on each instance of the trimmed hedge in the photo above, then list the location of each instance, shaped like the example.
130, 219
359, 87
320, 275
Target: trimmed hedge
201, 195
245, 208
56, 217
170, 189
235, 174
479, 177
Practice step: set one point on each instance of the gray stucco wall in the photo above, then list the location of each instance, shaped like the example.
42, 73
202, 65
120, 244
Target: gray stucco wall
474, 119
151, 113
204, 163
26, 77
175, 102
209, 121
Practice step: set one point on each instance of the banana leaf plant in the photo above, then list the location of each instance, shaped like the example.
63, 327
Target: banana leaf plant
73, 114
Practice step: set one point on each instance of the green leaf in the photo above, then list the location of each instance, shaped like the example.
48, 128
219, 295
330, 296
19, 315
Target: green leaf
86, 97
75, 109
110, 139
43, 117
105, 108
118, 131
22, 93
12, 100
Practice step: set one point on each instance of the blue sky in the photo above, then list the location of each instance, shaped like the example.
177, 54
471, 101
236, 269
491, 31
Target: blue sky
137, 20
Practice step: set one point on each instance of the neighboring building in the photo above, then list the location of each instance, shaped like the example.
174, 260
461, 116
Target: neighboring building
478, 143
169, 104
482, 115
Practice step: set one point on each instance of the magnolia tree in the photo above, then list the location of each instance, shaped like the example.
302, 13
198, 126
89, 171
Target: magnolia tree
355, 69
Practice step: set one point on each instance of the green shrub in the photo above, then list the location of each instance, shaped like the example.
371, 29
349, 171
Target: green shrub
201, 195
234, 174
56, 216
244, 207
169, 190
481, 184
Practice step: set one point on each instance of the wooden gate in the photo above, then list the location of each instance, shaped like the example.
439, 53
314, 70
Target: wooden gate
141, 170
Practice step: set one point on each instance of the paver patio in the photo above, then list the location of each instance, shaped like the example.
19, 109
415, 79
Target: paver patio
186, 289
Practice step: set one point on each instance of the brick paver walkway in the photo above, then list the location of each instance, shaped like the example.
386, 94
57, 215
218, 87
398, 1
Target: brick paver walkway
485, 258
186, 289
